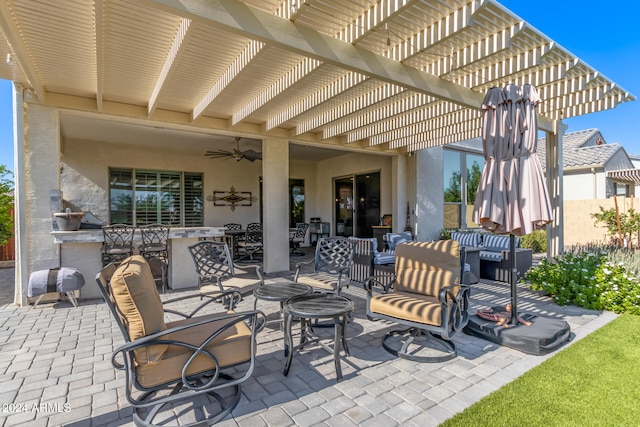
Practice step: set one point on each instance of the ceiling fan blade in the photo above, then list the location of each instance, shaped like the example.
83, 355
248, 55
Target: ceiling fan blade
252, 155
218, 154
236, 154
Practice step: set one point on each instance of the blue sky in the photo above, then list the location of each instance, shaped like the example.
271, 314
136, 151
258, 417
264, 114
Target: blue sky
605, 37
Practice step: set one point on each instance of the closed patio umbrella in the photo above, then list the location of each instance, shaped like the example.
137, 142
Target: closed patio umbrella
512, 197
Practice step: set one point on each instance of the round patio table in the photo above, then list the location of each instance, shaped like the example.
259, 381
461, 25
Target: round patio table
316, 306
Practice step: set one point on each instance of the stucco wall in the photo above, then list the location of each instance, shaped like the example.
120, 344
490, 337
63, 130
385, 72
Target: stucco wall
579, 226
350, 164
584, 185
84, 178
41, 157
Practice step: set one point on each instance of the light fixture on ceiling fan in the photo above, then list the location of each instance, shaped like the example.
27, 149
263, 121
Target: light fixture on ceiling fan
236, 154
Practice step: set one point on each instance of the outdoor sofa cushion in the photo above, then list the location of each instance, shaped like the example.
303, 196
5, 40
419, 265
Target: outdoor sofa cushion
497, 242
467, 239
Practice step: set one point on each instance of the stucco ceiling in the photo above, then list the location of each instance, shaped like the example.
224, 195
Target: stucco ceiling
93, 128
386, 76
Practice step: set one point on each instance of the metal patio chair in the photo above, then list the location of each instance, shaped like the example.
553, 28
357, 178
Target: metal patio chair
331, 265
216, 271
154, 248
297, 237
426, 297
252, 244
193, 366
118, 243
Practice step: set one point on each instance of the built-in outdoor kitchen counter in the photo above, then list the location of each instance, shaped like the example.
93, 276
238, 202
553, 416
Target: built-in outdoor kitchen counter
81, 249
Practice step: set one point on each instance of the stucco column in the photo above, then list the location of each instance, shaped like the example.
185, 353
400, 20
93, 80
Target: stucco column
37, 164
555, 230
21, 269
275, 196
429, 193
399, 188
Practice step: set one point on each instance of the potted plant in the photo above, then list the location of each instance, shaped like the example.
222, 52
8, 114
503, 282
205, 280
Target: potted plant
68, 221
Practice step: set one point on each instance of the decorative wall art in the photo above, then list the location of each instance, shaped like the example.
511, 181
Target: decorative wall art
231, 198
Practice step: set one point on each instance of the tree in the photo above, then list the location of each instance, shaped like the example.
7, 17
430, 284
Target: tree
620, 226
452, 192
473, 182
6, 204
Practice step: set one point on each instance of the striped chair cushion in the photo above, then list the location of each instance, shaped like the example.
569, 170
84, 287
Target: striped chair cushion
394, 239
490, 256
467, 239
498, 243
381, 258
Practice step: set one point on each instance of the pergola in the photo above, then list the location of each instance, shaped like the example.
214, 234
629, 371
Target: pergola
381, 76
399, 75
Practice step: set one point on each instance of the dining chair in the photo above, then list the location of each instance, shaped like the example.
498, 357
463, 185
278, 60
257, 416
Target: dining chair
252, 243
297, 237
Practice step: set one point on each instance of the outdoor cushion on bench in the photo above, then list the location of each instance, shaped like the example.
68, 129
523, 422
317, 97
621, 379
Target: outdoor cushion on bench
467, 239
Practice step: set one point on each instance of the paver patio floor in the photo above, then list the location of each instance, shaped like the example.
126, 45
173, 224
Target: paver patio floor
56, 358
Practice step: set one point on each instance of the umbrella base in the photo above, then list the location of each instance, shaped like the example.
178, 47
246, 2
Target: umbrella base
542, 337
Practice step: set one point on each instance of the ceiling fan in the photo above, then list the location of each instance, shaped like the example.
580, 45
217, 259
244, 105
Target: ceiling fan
236, 154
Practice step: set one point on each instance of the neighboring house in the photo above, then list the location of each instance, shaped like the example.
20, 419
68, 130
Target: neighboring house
593, 172
635, 159
593, 168
114, 115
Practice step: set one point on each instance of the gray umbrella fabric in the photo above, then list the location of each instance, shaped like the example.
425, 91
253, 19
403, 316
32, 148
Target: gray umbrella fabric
512, 196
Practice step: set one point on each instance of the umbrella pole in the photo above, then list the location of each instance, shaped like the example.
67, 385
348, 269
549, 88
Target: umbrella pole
513, 278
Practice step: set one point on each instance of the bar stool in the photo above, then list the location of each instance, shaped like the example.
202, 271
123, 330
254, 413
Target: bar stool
118, 243
154, 247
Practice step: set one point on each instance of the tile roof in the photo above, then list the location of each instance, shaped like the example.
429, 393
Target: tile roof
578, 150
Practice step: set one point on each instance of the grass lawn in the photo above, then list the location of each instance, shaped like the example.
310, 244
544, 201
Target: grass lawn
594, 382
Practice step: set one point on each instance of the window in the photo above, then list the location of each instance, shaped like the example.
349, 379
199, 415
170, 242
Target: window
296, 202
452, 190
621, 190
460, 189
141, 197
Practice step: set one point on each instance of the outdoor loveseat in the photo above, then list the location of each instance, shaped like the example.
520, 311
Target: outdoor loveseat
494, 254
368, 260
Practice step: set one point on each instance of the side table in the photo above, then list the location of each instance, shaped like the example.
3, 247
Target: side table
316, 306
473, 259
280, 291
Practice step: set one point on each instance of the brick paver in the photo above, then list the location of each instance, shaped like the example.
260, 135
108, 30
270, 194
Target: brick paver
55, 368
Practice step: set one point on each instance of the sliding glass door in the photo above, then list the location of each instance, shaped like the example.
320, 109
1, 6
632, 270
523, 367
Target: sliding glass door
357, 204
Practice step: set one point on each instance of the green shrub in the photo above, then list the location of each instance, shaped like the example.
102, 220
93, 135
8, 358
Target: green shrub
6, 203
597, 279
536, 241
445, 234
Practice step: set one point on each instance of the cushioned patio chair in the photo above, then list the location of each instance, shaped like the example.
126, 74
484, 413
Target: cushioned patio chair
331, 265
180, 366
426, 297
217, 272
